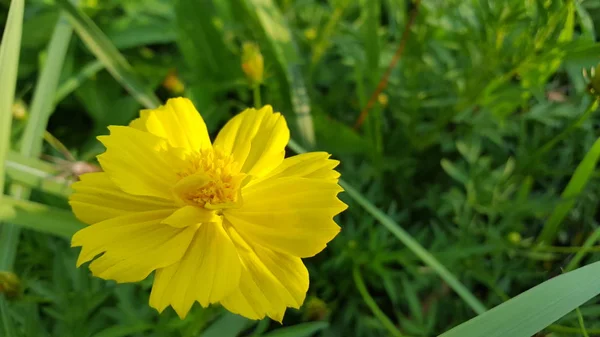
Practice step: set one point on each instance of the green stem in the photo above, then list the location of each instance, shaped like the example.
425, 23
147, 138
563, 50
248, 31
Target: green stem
409, 241
571, 330
576, 124
586, 248
416, 248
31, 144
256, 95
581, 323
6, 323
362, 289
67, 87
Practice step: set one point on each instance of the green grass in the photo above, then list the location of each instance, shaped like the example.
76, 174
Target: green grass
472, 183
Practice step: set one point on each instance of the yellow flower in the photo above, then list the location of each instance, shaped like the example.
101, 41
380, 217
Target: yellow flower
225, 223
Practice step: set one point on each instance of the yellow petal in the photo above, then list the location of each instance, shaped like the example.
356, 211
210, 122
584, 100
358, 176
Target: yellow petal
270, 282
178, 122
316, 165
190, 215
292, 215
140, 163
97, 198
256, 139
209, 271
133, 245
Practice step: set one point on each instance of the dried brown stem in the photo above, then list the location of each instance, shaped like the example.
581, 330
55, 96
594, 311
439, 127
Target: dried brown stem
384, 79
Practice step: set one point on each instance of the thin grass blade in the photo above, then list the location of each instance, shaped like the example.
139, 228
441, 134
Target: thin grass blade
39, 217
9, 64
535, 309
409, 241
274, 30
31, 144
36, 174
579, 180
101, 46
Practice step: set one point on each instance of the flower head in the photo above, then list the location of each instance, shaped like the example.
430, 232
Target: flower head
225, 222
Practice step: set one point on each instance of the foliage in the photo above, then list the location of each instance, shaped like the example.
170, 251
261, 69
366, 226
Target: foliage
472, 150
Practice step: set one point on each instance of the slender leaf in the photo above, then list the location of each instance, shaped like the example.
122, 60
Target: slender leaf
31, 143
275, 31
108, 54
228, 325
535, 309
578, 181
35, 174
409, 241
72, 83
39, 217
377, 312
299, 330
124, 331
9, 64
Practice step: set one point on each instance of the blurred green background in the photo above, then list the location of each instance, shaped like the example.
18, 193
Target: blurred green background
471, 148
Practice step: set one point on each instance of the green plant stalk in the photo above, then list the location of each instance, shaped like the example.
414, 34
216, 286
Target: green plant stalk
409, 241
7, 324
586, 248
32, 177
101, 46
256, 96
9, 65
31, 143
66, 88
9, 62
581, 323
379, 314
580, 177
264, 16
39, 217
571, 330
416, 248
324, 37
592, 107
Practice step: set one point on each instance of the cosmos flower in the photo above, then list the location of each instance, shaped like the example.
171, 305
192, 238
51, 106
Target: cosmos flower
226, 222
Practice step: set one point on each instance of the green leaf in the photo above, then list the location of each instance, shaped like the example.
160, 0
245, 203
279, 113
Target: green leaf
454, 172
535, 309
31, 143
42, 104
299, 330
72, 83
267, 19
124, 331
228, 325
578, 181
338, 138
408, 240
10, 48
109, 55
9, 64
39, 217
35, 174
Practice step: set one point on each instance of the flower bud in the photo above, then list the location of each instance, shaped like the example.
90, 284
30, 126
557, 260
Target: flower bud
19, 110
10, 285
315, 309
252, 63
593, 78
173, 83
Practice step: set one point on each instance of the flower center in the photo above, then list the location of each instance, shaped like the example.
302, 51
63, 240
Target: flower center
211, 179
